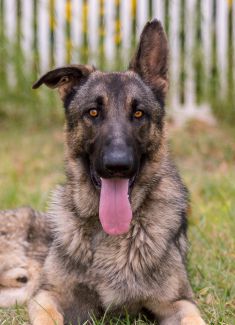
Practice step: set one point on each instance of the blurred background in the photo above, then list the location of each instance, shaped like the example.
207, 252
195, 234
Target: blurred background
36, 35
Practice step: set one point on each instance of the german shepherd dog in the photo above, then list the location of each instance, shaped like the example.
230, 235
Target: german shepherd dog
119, 222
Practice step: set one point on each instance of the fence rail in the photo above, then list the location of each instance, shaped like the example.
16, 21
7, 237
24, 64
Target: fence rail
39, 34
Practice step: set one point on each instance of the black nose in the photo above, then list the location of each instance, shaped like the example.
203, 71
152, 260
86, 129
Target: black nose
118, 161
22, 279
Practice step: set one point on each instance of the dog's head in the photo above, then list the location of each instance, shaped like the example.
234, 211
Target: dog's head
115, 120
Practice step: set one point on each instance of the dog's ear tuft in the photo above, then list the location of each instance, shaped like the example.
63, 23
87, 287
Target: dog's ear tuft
65, 78
151, 58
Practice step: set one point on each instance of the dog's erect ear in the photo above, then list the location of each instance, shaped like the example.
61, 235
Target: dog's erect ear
151, 58
65, 78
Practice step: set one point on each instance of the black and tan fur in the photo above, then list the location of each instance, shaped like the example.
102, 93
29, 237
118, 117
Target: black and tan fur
24, 243
86, 270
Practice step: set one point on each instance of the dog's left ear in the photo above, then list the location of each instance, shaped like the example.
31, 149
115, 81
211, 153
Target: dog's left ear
65, 78
151, 58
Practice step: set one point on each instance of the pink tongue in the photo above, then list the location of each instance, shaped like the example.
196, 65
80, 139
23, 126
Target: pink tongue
115, 209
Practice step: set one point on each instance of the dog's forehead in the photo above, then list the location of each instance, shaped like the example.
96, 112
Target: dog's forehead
115, 82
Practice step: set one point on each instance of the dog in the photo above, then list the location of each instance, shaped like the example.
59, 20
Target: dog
119, 222
24, 243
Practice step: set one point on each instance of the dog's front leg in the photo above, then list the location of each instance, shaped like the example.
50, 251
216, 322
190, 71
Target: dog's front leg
181, 312
44, 310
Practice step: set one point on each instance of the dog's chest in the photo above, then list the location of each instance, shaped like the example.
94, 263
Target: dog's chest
123, 267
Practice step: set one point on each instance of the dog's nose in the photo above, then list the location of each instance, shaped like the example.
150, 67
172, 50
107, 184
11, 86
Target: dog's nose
118, 161
22, 279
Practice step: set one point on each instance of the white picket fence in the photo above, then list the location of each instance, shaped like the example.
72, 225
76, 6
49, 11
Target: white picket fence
142, 17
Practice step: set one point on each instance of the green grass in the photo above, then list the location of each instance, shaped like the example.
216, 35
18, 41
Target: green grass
206, 158
31, 165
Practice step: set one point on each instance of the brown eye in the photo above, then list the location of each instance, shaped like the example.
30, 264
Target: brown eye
93, 112
138, 114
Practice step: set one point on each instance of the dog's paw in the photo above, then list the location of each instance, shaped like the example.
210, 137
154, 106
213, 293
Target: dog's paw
48, 320
192, 320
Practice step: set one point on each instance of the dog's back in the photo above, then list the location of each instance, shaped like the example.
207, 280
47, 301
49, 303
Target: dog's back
24, 242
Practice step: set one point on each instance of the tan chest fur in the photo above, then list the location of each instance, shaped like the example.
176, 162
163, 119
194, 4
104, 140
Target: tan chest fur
123, 267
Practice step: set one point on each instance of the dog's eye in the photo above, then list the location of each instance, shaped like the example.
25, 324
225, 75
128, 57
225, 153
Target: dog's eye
93, 112
138, 114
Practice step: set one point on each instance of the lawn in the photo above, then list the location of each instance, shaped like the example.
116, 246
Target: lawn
31, 165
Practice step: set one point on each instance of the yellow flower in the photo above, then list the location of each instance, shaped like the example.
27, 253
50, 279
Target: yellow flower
133, 7
68, 10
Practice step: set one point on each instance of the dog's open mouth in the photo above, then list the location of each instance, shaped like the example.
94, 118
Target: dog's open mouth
96, 180
114, 209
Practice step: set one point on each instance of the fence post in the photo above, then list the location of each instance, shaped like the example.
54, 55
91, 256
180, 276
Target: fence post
52, 25
101, 33
182, 71
84, 48
68, 18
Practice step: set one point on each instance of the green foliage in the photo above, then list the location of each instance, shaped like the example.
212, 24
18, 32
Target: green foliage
18, 102
224, 109
222, 99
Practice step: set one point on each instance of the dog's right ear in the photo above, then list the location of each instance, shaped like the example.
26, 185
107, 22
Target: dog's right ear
151, 58
65, 78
